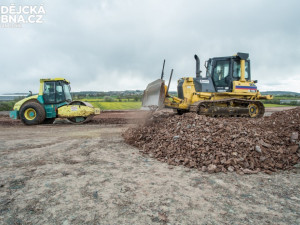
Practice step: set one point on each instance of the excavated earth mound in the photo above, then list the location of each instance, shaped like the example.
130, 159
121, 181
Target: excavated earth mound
243, 145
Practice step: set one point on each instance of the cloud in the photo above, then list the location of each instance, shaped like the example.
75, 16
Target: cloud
121, 44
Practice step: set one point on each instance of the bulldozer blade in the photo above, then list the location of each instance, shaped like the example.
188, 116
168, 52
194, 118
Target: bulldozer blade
154, 95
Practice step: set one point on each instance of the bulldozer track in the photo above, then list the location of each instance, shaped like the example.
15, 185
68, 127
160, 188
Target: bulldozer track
234, 108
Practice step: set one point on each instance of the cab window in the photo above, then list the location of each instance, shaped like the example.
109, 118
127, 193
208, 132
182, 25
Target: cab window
67, 92
60, 97
49, 92
53, 92
237, 69
221, 73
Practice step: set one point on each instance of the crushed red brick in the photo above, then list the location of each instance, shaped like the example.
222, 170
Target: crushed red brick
243, 145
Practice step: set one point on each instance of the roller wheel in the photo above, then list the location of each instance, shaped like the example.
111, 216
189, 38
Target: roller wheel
32, 113
80, 119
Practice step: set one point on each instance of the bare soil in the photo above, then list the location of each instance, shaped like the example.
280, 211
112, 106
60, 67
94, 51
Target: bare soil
87, 174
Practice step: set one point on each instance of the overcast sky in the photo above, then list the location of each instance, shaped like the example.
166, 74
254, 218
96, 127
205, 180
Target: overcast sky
104, 45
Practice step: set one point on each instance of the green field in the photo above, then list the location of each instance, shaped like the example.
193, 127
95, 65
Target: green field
128, 103
91, 100
116, 105
7, 106
103, 100
275, 105
137, 105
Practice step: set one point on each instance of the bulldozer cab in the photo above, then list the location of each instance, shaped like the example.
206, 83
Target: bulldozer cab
225, 70
56, 91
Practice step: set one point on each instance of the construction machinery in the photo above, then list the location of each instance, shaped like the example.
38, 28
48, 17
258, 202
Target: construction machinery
53, 101
226, 90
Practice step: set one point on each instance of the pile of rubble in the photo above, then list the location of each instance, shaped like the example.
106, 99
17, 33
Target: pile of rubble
243, 145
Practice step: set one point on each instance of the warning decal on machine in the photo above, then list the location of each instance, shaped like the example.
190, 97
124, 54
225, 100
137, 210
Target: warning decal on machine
74, 108
204, 81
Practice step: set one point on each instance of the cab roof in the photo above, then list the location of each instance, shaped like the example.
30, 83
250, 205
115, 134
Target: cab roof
239, 56
54, 79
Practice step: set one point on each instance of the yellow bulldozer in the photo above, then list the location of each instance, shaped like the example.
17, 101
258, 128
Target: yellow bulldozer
226, 90
53, 101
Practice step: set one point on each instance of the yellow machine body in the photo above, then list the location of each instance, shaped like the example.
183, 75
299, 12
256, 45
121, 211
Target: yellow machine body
18, 104
53, 100
234, 94
191, 96
68, 111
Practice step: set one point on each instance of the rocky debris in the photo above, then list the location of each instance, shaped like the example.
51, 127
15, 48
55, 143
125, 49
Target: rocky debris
230, 168
243, 145
211, 168
7, 121
294, 136
109, 121
258, 148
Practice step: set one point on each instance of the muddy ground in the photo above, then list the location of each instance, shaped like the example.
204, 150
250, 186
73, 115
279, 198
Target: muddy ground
86, 174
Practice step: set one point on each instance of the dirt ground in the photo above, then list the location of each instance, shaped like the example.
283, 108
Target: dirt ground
86, 174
